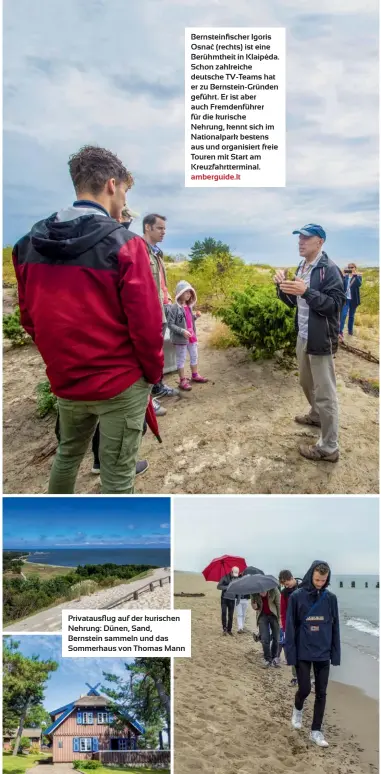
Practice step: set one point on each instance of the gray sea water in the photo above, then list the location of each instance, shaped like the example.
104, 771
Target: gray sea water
359, 631
72, 557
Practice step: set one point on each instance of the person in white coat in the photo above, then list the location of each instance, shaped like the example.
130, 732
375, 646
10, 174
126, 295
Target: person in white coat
241, 605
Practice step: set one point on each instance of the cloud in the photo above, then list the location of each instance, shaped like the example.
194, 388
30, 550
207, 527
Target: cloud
164, 526
134, 105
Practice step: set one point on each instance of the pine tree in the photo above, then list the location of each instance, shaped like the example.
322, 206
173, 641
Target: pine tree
23, 687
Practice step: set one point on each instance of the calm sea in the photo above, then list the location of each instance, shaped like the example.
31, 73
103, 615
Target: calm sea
359, 631
72, 557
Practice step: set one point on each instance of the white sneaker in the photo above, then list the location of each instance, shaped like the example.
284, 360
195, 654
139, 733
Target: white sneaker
318, 738
297, 718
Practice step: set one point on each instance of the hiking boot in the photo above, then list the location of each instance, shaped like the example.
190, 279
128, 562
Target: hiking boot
316, 454
96, 469
276, 663
266, 664
141, 467
294, 682
305, 419
318, 738
239, 631
297, 719
159, 410
230, 634
224, 632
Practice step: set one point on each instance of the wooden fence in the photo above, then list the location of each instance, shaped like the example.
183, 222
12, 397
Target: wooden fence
158, 759
136, 594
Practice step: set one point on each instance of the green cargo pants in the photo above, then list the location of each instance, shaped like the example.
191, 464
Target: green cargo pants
121, 425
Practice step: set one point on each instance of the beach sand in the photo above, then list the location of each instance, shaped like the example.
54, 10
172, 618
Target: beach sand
232, 717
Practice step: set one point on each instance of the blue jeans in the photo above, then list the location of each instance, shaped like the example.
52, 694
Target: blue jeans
350, 310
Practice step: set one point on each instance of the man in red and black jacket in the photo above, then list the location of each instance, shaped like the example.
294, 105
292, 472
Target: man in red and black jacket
89, 301
289, 584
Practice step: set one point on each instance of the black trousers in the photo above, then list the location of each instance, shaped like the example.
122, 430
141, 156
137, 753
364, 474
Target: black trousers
303, 673
267, 623
227, 613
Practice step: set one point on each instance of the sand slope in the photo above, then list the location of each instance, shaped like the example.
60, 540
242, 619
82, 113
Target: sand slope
234, 435
232, 717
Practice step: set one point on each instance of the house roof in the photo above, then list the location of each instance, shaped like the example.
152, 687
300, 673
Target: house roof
26, 732
92, 701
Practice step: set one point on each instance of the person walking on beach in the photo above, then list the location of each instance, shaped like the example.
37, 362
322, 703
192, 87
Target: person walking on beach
154, 227
241, 605
289, 584
352, 284
317, 293
267, 607
89, 301
227, 605
313, 638
182, 326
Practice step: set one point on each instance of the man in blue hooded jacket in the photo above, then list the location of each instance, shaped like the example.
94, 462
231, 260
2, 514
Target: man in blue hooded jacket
313, 638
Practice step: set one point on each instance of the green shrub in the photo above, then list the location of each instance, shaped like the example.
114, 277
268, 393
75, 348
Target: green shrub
13, 330
25, 743
46, 401
92, 764
261, 322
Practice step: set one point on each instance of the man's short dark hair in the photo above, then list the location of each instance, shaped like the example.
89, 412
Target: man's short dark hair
150, 220
285, 575
322, 569
91, 167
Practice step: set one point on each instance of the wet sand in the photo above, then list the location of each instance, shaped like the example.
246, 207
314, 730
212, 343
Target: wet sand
232, 717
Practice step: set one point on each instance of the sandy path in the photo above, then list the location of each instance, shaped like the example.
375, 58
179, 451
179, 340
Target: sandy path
235, 434
51, 620
232, 717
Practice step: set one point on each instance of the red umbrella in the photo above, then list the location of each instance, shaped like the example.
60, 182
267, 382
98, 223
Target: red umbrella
152, 421
221, 566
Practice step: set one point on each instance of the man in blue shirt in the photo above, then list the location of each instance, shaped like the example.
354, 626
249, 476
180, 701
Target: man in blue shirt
352, 284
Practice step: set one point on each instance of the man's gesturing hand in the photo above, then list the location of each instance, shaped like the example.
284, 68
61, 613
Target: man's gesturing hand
295, 288
280, 276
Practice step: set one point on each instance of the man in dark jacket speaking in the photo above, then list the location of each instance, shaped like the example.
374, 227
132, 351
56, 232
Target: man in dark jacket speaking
89, 301
313, 637
317, 292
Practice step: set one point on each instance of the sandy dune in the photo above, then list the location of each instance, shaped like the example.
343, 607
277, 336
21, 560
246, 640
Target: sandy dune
232, 717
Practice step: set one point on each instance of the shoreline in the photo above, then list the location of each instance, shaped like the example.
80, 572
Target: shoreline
248, 710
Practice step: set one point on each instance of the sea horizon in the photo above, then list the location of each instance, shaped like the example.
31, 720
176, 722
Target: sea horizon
156, 556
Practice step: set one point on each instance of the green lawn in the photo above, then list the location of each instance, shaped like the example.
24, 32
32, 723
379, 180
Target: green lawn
44, 571
18, 764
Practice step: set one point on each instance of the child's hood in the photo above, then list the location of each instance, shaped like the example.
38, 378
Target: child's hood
181, 287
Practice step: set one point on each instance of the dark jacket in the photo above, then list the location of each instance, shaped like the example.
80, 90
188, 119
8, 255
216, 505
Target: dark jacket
312, 635
89, 301
356, 283
224, 583
325, 298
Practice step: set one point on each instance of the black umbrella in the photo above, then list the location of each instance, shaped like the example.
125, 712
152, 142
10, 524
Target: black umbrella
250, 584
252, 571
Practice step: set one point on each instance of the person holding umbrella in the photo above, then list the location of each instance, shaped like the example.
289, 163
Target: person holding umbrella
227, 604
242, 601
224, 570
267, 607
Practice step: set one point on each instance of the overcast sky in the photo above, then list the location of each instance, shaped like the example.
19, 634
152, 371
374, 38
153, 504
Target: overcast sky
278, 532
111, 73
